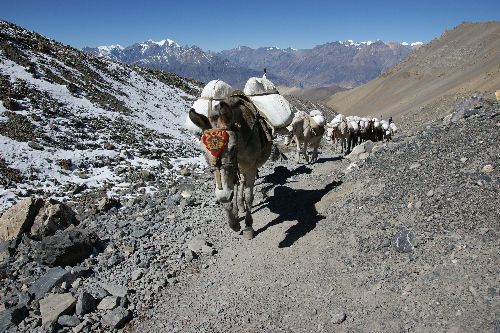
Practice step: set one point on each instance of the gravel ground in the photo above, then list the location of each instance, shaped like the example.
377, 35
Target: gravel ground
406, 240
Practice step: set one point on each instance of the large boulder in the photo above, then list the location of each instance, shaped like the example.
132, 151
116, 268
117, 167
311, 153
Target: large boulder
86, 303
55, 305
66, 248
53, 216
45, 283
19, 218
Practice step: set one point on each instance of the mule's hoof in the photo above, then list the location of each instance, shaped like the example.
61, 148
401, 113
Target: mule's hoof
235, 226
248, 233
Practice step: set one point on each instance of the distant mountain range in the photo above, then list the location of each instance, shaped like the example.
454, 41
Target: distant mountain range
345, 64
187, 61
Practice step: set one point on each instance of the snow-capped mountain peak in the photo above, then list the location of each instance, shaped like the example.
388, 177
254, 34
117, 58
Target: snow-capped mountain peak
164, 42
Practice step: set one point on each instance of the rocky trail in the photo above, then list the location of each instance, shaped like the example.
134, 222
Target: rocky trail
403, 240
396, 237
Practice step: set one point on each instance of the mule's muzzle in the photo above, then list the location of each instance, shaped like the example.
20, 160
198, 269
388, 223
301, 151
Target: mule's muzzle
224, 196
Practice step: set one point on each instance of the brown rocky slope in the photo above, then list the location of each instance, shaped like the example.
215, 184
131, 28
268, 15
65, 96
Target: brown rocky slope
425, 86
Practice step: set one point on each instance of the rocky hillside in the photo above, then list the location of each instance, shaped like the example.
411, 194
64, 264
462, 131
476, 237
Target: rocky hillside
425, 86
321, 94
340, 63
71, 121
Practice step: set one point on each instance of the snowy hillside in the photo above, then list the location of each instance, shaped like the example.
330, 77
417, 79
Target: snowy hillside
71, 121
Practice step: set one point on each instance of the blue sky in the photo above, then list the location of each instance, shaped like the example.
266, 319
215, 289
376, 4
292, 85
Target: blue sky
220, 24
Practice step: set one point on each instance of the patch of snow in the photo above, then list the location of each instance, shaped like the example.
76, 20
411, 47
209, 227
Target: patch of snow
2, 111
179, 163
417, 43
7, 199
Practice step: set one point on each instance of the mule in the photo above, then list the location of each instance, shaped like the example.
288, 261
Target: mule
235, 142
306, 132
343, 134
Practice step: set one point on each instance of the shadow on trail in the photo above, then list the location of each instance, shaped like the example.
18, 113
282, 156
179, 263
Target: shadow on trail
329, 159
281, 174
290, 205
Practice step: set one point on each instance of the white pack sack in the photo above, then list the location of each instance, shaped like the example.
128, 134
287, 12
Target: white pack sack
271, 105
211, 95
353, 125
313, 113
317, 117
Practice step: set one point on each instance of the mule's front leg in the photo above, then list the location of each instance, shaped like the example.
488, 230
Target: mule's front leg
298, 149
249, 182
231, 209
241, 195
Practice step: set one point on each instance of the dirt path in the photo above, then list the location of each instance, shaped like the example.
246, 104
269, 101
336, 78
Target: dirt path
406, 242
277, 280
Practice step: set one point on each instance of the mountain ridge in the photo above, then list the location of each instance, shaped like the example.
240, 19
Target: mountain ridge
346, 63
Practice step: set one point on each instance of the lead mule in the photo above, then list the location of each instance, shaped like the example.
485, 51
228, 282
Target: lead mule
235, 143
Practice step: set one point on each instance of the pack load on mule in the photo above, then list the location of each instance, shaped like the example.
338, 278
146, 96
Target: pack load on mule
318, 118
268, 101
214, 92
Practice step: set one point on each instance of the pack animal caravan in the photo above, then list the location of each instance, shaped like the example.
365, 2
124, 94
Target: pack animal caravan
352, 130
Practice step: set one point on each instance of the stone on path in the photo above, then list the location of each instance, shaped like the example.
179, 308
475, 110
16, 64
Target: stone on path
404, 241
55, 305
116, 318
339, 318
199, 245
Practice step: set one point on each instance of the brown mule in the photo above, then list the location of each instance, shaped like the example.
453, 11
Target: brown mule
235, 142
306, 133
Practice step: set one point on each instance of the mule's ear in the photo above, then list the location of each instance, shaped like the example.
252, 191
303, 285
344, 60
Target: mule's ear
226, 114
199, 120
